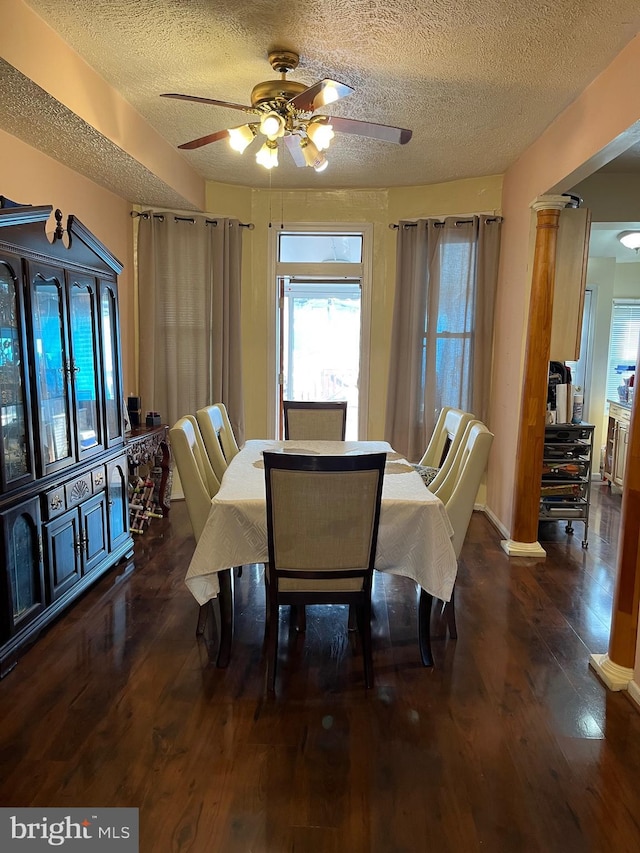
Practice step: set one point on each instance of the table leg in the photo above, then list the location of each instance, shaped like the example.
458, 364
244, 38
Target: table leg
424, 627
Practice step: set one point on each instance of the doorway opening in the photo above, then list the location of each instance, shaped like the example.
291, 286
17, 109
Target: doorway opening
322, 277
320, 343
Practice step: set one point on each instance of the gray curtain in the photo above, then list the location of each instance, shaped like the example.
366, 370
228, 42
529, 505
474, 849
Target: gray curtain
442, 334
189, 270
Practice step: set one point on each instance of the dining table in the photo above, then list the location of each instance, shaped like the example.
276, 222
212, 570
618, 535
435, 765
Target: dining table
414, 534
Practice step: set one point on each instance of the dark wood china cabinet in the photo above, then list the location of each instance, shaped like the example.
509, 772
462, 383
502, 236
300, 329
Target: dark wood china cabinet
63, 466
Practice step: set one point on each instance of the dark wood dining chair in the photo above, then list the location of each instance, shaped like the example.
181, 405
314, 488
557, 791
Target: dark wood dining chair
322, 529
315, 421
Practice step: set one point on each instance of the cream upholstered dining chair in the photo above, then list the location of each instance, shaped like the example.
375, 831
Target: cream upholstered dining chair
212, 426
322, 529
198, 480
227, 438
443, 444
459, 490
315, 421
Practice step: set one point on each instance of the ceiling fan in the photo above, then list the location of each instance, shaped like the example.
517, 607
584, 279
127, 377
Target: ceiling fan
285, 109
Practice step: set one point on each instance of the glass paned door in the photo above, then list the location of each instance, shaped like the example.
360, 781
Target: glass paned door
111, 373
83, 366
52, 369
14, 452
320, 343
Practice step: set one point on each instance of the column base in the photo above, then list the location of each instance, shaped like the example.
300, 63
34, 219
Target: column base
523, 549
614, 676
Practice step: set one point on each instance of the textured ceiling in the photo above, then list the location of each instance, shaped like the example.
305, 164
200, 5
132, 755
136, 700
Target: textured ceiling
476, 80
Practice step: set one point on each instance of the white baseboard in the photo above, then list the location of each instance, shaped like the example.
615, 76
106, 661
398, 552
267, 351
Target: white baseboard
634, 692
502, 530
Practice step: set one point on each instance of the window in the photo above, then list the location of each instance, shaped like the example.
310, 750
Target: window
623, 344
320, 248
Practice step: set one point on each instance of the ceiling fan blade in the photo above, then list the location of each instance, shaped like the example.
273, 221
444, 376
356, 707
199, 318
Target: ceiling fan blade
320, 94
292, 143
205, 140
211, 101
384, 132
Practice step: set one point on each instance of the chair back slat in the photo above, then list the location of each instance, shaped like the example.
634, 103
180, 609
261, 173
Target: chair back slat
446, 436
227, 437
211, 426
315, 421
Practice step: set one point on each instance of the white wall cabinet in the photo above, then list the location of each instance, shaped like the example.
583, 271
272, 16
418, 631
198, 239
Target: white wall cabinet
572, 253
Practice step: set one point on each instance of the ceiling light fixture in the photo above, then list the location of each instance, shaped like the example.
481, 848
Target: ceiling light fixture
630, 239
241, 137
285, 109
313, 136
320, 132
267, 156
272, 125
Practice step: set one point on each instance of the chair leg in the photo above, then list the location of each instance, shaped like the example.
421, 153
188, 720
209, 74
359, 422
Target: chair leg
364, 626
450, 614
299, 616
202, 619
272, 646
424, 627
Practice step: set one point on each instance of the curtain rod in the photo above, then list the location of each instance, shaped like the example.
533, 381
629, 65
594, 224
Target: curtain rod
440, 224
191, 219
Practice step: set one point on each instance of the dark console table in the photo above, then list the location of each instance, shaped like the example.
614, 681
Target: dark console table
150, 446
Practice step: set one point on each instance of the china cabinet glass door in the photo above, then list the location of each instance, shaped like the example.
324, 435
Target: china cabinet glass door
110, 368
52, 371
84, 373
15, 455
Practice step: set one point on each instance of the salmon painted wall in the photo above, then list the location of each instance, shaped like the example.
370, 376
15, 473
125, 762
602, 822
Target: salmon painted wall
28, 176
29, 45
595, 128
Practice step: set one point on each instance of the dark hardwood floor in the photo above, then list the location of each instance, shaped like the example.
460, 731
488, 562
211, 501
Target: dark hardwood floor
509, 744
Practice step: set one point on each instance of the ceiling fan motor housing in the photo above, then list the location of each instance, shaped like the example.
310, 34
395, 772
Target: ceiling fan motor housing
275, 90
271, 91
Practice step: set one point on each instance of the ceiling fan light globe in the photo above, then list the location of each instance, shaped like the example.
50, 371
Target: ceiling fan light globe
321, 164
330, 94
272, 126
320, 134
241, 137
267, 156
310, 152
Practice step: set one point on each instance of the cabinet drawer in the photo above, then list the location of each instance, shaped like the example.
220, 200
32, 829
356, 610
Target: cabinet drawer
564, 491
54, 502
99, 479
565, 470
549, 512
575, 450
65, 497
79, 489
561, 434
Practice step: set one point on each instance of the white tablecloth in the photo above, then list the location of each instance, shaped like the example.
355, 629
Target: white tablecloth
414, 536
